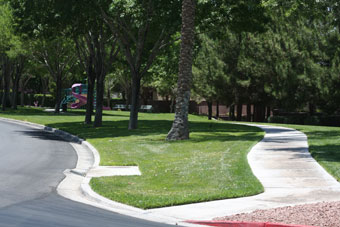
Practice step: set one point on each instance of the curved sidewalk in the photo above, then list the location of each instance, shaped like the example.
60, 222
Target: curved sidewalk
290, 176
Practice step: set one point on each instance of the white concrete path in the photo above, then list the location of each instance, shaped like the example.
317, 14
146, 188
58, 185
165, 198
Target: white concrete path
284, 166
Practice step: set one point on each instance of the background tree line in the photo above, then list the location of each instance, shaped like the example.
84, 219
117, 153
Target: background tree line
270, 54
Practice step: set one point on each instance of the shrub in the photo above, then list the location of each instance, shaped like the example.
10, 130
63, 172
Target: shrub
295, 119
277, 119
49, 100
312, 120
330, 121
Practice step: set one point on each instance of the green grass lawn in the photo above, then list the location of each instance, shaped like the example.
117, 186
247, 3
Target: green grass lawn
211, 165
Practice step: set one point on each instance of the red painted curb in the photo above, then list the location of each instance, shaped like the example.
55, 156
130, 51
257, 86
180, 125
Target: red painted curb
242, 224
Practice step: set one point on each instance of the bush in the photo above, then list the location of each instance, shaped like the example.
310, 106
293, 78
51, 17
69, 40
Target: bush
49, 100
295, 119
330, 121
277, 119
312, 120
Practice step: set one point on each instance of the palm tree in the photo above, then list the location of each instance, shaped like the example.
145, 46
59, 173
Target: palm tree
180, 127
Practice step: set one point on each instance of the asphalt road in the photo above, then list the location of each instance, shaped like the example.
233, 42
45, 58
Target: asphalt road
31, 166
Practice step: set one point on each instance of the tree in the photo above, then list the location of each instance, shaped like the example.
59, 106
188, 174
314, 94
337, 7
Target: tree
11, 53
208, 69
97, 48
180, 127
19, 64
143, 29
165, 73
241, 15
85, 51
57, 55
39, 20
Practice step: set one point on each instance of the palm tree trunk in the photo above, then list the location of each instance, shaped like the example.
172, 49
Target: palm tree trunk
180, 127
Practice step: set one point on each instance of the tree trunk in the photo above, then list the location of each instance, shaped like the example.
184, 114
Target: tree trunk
180, 127
232, 112
217, 110
6, 69
108, 98
263, 116
255, 115
248, 112
58, 93
19, 66
91, 79
209, 110
259, 113
30, 97
22, 98
133, 123
23, 83
98, 121
43, 99
311, 108
127, 98
239, 112
124, 96
6, 92
15, 93
268, 111
172, 104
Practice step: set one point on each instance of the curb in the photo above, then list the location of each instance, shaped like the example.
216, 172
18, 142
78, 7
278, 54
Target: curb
243, 224
75, 185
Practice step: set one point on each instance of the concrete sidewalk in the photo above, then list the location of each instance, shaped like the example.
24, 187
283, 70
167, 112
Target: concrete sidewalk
290, 176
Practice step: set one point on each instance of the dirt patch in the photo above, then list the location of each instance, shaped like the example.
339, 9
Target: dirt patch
325, 214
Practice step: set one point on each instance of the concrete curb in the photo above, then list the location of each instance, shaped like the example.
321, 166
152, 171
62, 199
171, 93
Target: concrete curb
75, 185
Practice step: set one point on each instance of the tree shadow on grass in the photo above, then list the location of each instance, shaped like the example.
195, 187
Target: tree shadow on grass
328, 153
325, 145
202, 131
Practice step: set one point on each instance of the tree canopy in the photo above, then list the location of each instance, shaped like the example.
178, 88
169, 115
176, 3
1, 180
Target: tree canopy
272, 54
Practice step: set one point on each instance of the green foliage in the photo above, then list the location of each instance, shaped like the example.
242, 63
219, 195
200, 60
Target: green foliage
10, 42
240, 16
6, 26
48, 102
312, 120
165, 70
278, 53
277, 119
207, 69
